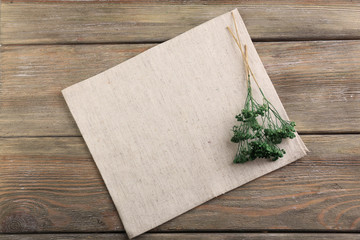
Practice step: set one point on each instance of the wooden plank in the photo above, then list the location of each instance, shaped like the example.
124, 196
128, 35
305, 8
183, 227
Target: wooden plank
52, 184
25, 22
316, 81
190, 236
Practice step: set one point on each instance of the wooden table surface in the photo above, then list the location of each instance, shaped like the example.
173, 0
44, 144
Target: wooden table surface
50, 187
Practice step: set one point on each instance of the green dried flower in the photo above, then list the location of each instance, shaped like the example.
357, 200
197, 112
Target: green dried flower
261, 127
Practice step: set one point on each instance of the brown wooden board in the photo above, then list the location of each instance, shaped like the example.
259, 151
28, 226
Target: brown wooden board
318, 83
24, 22
52, 184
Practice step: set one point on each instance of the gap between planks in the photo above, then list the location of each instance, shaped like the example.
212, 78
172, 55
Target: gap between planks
264, 40
198, 235
76, 136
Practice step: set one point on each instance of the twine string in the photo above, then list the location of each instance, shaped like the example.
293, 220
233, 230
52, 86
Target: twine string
246, 66
238, 43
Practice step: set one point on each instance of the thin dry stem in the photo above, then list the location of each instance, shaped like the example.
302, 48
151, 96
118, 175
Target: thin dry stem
246, 66
238, 43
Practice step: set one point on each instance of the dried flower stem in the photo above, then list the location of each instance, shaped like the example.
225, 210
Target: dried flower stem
258, 140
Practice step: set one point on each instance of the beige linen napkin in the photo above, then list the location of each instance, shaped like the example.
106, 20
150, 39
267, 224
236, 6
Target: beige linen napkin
159, 125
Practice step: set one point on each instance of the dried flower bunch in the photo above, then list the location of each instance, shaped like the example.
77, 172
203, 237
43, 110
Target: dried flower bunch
260, 127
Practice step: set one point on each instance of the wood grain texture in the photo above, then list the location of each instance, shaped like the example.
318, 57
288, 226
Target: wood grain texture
190, 236
52, 184
32, 77
25, 22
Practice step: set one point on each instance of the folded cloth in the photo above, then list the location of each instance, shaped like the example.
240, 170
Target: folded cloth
159, 124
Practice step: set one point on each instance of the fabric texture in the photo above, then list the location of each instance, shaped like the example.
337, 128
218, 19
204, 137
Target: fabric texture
159, 124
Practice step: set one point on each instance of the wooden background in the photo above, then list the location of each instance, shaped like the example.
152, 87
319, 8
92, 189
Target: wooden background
50, 187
